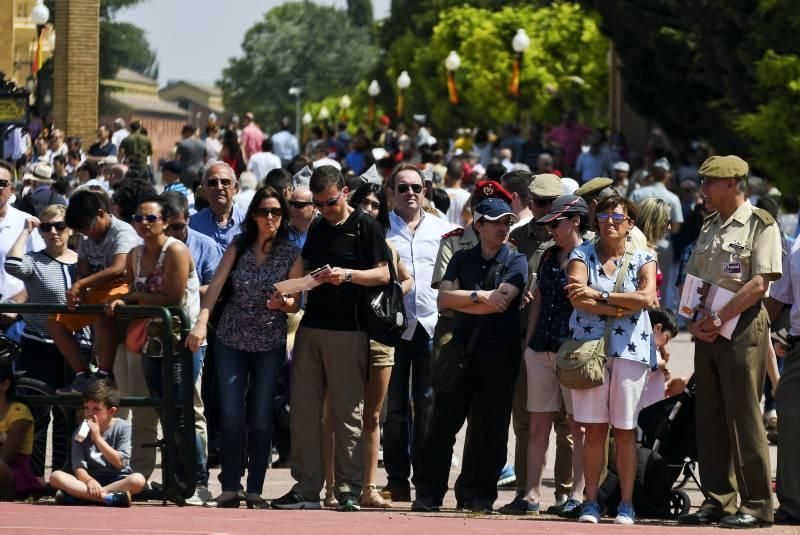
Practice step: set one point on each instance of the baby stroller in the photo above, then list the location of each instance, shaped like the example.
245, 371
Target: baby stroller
665, 460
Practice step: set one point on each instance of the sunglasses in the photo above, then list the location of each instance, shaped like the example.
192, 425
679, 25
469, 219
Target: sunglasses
4, 184
215, 182
375, 205
615, 218
150, 218
266, 212
176, 227
542, 203
556, 222
300, 204
506, 222
47, 227
403, 188
329, 202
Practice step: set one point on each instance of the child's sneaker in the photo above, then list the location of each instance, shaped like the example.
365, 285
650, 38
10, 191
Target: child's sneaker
118, 499
62, 498
590, 513
625, 514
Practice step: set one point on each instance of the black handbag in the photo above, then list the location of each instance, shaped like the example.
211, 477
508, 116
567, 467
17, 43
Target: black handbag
227, 290
386, 319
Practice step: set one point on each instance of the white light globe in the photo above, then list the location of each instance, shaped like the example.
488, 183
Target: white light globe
453, 61
374, 88
40, 14
521, 41
404, 80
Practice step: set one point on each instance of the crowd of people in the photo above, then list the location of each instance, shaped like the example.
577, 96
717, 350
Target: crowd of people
504, 263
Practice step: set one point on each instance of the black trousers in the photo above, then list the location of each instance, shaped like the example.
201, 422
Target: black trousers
487, 388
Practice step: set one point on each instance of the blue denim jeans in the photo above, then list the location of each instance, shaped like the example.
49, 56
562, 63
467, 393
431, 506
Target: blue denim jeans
405, 430
248, 382
152, 374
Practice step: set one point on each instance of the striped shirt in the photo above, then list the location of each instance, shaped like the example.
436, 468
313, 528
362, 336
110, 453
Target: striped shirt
181, 188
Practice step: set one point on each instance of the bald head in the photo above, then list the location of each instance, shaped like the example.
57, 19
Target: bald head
301, 193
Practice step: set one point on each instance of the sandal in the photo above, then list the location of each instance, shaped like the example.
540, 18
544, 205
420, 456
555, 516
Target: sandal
330, 498
370, 497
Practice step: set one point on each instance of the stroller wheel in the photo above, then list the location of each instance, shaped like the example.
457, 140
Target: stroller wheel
679, 503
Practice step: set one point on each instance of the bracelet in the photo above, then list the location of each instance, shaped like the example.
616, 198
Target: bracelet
619, 312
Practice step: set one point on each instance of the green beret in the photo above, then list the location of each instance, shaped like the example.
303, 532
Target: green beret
724, 167
594, 186
546, 185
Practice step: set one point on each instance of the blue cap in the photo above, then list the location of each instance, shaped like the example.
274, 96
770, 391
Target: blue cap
493, 209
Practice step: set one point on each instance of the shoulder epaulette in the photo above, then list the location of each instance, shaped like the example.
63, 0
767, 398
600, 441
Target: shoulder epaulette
455, 232
709, 216
764, 216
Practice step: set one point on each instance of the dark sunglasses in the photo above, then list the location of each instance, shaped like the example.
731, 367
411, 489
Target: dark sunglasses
403, 188
300, 204
541, 203
266, 212
150, 218
616, 217
556, 222
47, 227
214, 182
4, 184
329, 202
176, 227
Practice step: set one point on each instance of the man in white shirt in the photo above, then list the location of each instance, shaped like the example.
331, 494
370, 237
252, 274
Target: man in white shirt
261, 163
284, 143
120, 132
459, 197
416, 236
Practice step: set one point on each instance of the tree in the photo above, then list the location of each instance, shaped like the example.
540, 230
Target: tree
564, 67
301, 43
360, 13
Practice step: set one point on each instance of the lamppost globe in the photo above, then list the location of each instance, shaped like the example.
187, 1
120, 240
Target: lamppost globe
40, 14
324, 114
403, 81
374, 88
453, 61
307, 118
521, 41
345, 102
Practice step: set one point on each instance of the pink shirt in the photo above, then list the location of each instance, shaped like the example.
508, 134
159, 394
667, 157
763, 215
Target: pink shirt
569, 139
252, 137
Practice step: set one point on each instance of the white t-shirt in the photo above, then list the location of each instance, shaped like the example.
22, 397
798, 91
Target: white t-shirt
262, 163
458, 198
10, 228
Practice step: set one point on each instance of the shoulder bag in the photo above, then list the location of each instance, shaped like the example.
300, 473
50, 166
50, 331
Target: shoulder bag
581, 364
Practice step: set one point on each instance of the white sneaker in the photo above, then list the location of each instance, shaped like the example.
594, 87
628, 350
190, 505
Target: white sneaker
200, 497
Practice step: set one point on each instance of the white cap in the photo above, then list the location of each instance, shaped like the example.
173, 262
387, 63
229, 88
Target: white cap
569, 185
327, 161
622, 166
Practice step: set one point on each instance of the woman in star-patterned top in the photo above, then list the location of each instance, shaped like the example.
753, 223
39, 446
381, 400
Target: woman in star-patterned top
593, 270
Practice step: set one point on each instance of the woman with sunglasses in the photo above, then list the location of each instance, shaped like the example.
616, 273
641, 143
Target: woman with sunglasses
251, 338
592, 273
47, 275
548, 327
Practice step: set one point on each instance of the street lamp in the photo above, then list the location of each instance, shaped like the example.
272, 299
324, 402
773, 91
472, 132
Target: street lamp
452, 62
520, 44
324, 114
40, 14
373, 91
403, 82
296, 92
344, 104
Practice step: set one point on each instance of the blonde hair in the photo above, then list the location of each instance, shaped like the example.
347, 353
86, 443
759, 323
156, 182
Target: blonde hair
52, 211
653, 219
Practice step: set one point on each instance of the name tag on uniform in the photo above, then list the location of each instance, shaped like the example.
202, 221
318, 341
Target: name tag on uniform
731, 269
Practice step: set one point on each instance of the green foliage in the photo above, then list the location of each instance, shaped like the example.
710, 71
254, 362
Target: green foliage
774, 128
296, 43
360, 13
125, 45
564, 67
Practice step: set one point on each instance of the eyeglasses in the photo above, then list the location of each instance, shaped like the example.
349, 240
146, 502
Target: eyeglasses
266, 212
542, 203
375, 205
556, 222
300, 204
47, 227
150, 218
176, 227
403, 188
216, 182
616, 217
4, 184
329, 202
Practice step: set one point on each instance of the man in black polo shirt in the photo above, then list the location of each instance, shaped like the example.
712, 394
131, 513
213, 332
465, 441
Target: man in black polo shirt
331, 345
482, 285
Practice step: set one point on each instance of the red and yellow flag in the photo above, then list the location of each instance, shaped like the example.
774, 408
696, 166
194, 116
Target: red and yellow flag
451, 88
400, 105
513, 87
37, 55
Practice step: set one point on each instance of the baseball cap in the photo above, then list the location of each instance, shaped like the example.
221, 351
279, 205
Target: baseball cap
622, 166
566, 204
492, 209
173, 166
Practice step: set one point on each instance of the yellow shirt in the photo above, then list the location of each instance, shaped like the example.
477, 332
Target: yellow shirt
728, 253
18, 412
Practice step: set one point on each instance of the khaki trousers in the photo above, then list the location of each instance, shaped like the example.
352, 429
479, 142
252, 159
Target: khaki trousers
731, 443
787, 403
334, 362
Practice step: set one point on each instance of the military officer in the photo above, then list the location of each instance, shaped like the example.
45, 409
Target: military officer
739, 249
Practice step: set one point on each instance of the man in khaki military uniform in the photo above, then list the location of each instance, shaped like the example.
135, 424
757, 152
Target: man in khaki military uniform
451, 242
543, 190
739, 249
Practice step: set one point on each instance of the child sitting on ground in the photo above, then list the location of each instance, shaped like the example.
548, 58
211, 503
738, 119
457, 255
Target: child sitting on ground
100, 458
665, 328
16, 441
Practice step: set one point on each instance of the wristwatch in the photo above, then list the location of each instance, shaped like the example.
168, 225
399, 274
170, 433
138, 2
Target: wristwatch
474, 296
716, 320
348, 276
604, 296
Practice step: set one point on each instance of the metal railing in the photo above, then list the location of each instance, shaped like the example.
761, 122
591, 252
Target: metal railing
175, 409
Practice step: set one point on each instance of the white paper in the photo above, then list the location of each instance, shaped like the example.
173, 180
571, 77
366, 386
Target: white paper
699, 293
303, 284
